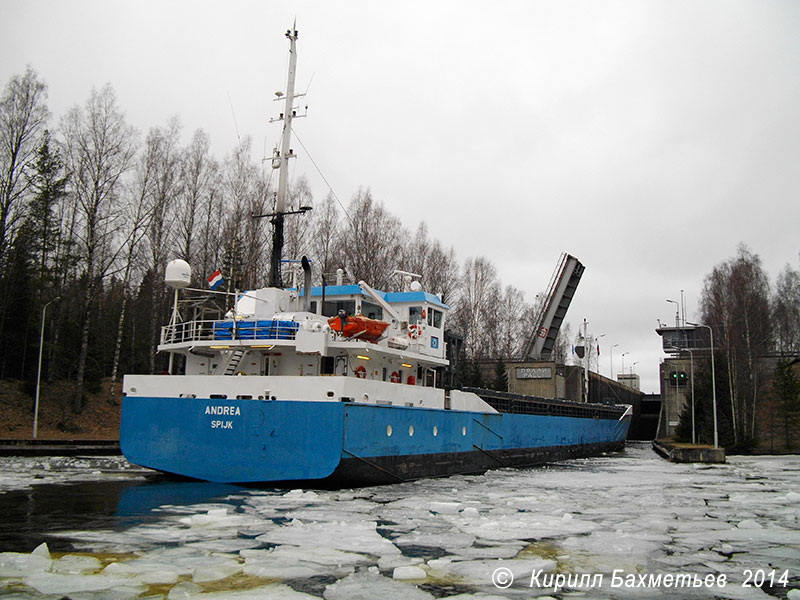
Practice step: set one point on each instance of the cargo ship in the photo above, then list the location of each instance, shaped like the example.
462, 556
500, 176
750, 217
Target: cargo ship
337, 384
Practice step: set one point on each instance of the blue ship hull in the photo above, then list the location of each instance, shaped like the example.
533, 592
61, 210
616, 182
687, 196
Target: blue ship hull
340, 443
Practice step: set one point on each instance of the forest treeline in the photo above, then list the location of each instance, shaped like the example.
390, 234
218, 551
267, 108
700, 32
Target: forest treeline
756, 328
91, 211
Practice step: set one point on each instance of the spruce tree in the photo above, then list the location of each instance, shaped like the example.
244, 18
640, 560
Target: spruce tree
49, 183
500, 380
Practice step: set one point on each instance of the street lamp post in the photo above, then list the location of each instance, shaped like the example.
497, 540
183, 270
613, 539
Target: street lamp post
713, 382
39, 370
623, 362
612, 360
691, 379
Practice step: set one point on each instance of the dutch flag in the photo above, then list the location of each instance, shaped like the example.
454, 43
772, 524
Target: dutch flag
215, 279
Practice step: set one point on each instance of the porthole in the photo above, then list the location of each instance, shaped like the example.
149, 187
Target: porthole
435, 431
388, 430
463, 431
410, 430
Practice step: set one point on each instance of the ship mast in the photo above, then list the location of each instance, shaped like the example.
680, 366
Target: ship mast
280, 161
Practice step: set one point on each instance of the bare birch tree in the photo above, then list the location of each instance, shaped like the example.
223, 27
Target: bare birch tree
197, 183
442, 271
510, 331
476, 311
244, 239
23, 114
325, 239
371, 240
416, 253
162, 146
786, 311
209, 256
562, 352
735, 302
137, 212
298, 229
437, 265
100, 148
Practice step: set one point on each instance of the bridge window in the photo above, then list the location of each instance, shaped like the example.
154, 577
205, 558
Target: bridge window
435, 318
371, 311
331, 309
414, 314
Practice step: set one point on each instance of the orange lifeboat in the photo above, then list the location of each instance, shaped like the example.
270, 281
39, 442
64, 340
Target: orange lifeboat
359, 326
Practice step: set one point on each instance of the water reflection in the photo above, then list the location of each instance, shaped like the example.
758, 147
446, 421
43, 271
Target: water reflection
142, 499
31, 514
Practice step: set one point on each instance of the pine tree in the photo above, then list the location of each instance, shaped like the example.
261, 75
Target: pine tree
49, 183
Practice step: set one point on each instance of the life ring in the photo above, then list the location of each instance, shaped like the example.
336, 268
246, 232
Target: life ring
413, 331
411, 380
361, 371
395, 378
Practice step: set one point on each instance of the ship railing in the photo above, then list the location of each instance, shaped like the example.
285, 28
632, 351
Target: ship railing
199, 331
187, 331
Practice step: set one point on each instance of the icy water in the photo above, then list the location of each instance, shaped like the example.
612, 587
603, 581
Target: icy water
627, 525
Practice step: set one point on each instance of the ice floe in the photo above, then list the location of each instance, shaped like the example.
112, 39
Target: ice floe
629, 513
369, 585
22, 472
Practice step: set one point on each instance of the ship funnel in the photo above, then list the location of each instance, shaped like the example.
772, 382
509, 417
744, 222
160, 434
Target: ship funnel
306, 284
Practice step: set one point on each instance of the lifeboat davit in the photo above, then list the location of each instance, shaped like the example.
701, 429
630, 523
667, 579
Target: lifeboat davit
359, 326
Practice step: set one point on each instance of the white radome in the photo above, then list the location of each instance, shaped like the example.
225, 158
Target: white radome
178, 274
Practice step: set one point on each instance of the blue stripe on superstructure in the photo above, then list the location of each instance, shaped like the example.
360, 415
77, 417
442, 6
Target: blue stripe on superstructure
395, 297
332, 291
337, 290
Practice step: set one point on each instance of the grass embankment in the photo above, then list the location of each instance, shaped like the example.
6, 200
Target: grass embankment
99, 419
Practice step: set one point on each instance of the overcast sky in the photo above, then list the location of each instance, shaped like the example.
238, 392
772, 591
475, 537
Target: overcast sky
647, 138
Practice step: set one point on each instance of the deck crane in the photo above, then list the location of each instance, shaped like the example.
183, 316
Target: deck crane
560, 291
